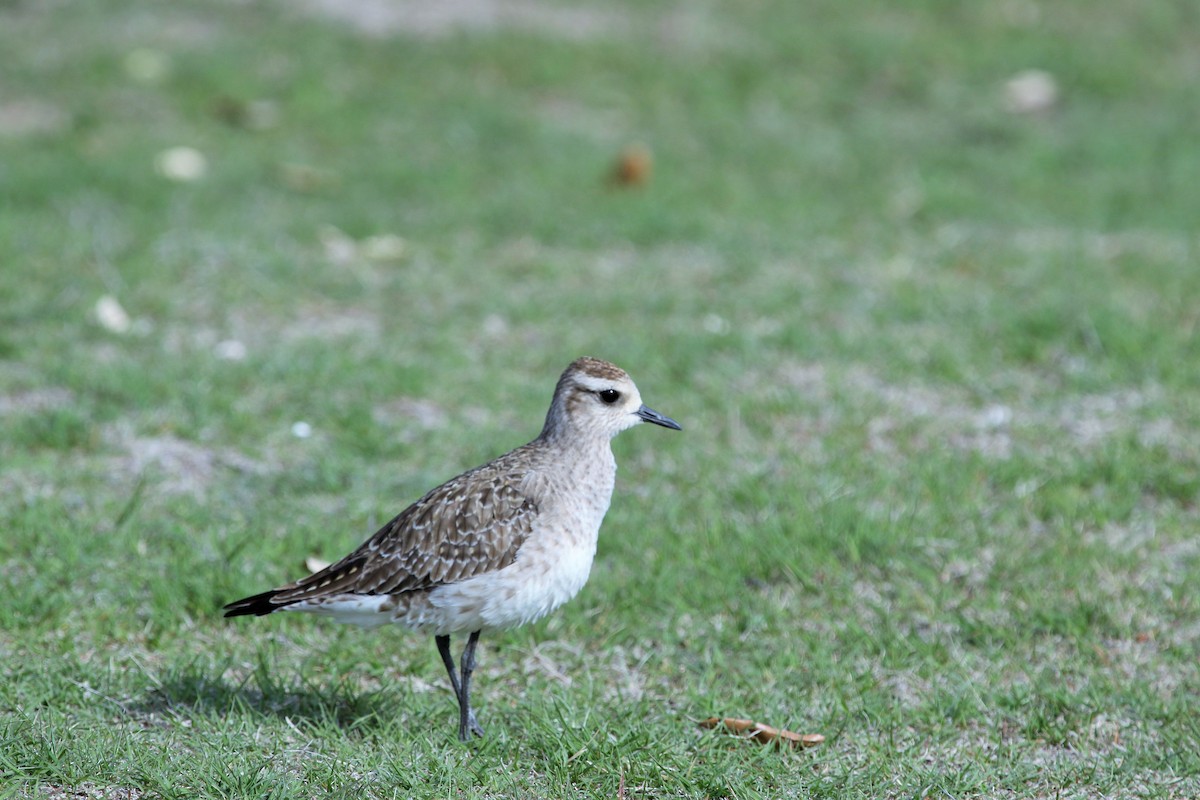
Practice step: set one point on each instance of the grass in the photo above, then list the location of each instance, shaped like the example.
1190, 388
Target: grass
937, 364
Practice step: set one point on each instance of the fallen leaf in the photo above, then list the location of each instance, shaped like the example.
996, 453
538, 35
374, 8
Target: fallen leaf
633, 166
763, 734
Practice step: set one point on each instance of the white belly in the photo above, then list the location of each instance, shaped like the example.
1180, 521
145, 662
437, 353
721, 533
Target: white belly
527, 590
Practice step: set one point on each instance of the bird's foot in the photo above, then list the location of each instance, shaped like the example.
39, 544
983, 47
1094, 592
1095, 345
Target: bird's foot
469, 726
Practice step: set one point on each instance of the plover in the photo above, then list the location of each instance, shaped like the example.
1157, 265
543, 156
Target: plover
499, 546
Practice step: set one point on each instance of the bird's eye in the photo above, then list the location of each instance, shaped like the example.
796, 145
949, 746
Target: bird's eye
609, 396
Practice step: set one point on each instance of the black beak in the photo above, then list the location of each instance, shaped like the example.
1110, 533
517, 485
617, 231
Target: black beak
650, 415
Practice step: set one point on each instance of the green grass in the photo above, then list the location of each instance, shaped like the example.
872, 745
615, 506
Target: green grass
937, 363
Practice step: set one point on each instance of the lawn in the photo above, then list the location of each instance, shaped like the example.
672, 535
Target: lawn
936, 357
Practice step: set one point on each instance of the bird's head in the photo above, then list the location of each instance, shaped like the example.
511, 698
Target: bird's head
598, 398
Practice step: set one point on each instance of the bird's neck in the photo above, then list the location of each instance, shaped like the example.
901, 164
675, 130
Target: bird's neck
574, 443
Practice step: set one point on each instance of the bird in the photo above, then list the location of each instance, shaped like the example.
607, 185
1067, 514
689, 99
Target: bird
497, 547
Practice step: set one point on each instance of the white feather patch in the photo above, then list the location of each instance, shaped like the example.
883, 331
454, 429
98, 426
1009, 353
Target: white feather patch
365, 610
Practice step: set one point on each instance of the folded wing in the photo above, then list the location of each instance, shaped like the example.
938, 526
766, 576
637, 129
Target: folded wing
473, 524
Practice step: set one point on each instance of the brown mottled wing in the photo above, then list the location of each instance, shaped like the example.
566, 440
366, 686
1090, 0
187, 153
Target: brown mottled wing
461, 529
470, 525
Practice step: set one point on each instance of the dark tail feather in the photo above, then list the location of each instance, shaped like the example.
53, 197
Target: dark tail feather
259, 605
334, 579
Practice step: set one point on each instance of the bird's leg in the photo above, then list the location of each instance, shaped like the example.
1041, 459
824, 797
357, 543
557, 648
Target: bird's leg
467, 724
443, 646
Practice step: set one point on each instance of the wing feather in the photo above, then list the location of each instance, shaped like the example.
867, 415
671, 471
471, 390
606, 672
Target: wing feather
473, 524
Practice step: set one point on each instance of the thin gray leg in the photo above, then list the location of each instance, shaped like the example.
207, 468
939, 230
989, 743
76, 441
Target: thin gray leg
443, 646
467, 724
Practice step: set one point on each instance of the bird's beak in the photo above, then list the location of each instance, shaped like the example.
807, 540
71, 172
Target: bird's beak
650, 415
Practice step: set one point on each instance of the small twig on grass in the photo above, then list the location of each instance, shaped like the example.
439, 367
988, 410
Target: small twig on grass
763, 734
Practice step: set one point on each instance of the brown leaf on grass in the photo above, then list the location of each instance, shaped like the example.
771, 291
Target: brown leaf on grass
632, 167
763, 734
